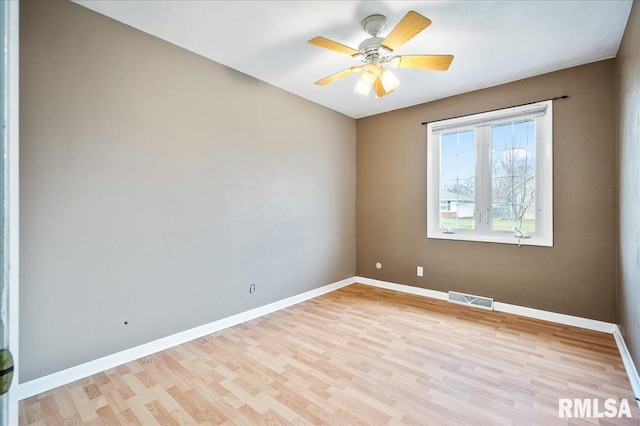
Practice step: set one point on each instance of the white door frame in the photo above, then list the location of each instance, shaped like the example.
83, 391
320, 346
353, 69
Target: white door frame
13, 197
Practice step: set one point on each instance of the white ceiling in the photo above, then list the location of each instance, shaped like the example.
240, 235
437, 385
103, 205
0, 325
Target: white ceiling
493, 42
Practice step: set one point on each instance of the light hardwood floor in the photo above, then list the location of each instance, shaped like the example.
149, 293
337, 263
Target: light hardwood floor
359, 355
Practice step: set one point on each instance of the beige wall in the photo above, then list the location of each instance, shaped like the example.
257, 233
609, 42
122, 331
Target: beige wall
577, 276
156, 186
628, 91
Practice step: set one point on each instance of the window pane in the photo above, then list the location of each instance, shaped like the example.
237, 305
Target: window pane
467, 166
519, 162
456, 220
531, 135
467, 143
500, 162
501, 136
456, 208
448, 168
524, 133
504, 217
531, 160
501, 217
449, 144
457, 177
513, 163
501, 189
528, 223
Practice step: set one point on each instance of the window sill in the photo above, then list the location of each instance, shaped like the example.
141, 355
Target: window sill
534, 240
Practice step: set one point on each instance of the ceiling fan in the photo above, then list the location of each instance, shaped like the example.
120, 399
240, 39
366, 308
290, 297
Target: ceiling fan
375, 53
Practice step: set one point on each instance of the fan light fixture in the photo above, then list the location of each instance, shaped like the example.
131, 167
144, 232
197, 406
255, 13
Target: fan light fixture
362, 88
389, 81
370, 74
374, 53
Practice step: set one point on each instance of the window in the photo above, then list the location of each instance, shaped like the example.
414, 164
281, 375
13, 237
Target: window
490, 176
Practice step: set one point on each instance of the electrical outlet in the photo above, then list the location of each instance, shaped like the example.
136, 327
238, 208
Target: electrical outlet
252, 288
419, 271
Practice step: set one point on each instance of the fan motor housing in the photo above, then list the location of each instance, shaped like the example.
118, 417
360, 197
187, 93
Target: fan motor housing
370, 48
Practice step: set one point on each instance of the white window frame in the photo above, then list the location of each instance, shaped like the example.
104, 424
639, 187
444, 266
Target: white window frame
542, 112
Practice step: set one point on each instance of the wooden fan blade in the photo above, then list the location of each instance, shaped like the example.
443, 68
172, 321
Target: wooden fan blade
407, 28
333, 45
337, 76
426, 62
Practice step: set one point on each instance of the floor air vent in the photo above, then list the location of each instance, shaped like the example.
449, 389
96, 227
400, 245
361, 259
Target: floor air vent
471, 300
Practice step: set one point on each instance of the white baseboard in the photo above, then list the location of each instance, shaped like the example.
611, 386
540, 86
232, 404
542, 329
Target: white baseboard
60, 378
43, 384
434, 294
587, 323
629, 366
